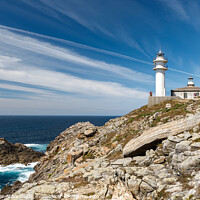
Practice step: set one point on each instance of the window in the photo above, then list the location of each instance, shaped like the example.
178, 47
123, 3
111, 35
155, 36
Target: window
196, 94
185, 95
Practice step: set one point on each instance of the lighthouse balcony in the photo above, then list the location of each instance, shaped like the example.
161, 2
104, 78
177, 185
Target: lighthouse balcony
160, 59
165, 67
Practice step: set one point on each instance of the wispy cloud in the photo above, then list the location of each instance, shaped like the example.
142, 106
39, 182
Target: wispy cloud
65, 54
178, 8
187, 11
130, 41
86, 94
101, 22
12, 70
21, 88
82, 46
75, 10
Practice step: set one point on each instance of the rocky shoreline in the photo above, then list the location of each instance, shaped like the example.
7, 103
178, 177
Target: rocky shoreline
87, 162
17, 153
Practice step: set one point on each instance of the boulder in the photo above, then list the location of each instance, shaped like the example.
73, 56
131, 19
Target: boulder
150, 138
90, 132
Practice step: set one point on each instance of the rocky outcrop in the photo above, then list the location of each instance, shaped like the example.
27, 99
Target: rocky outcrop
169, 172
8, 190
150, 138
81, 166
17, 153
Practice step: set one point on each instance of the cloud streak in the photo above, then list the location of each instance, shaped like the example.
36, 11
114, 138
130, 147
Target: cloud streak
75, 44
186, 11
62, 82
177, 7
64, 54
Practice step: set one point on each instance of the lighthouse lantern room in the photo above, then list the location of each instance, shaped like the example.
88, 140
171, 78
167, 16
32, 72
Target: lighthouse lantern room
160, 68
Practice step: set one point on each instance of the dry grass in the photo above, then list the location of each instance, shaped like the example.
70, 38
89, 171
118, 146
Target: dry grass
178, 109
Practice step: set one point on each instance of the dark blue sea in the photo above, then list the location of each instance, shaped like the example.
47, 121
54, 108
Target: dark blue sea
36, 132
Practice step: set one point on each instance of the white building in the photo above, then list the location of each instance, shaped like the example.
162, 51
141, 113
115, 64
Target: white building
188, 92
160, 68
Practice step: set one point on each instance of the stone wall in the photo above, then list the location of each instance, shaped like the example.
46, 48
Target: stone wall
155, 100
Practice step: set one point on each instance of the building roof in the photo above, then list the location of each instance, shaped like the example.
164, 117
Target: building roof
187, 89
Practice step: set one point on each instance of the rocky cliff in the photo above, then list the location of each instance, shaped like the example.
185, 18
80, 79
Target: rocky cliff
161, 146
17, 153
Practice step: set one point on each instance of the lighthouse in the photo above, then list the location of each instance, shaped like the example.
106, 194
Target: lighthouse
160, 68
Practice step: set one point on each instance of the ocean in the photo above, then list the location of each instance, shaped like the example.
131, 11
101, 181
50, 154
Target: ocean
35, 132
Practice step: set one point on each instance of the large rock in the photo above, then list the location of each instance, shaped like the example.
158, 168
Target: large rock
17, 153
150, 138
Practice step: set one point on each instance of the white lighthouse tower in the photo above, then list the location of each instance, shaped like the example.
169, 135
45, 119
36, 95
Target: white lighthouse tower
160, 68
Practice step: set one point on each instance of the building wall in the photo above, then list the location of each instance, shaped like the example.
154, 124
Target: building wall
185, 95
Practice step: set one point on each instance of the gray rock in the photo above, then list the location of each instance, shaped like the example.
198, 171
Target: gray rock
150, 153
150, 180
190, 164
175, 139
155, 115
187, 135
141, 172
133, 184
168, 146
169, 180
183, 146
123, 162
139, 159
105, 164
97, 163
97, 175
90, 132
146, 188
195, 145
127, 161
150, 137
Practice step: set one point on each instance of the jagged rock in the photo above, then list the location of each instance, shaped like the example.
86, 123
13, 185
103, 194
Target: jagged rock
7, 190
17, 153
74, 154
151, 137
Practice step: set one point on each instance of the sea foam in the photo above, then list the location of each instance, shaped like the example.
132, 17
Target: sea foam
11, 173
37, 147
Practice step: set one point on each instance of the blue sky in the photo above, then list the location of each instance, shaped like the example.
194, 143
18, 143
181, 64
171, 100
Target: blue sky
92, 57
